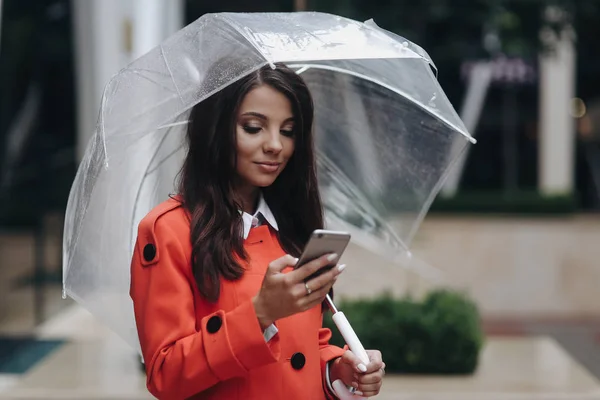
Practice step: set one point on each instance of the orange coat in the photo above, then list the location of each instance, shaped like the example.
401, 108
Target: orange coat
194, 348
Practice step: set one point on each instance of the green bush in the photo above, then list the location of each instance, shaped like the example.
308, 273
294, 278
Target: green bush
440, 335
520, 202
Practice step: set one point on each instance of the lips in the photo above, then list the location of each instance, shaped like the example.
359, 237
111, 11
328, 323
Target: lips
269, 163
268, 167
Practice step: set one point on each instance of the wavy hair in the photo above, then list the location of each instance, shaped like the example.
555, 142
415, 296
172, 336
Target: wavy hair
207, 178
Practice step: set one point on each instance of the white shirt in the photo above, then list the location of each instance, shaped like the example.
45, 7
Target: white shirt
252, 221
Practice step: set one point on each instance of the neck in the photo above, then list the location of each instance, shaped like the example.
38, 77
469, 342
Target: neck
248, 196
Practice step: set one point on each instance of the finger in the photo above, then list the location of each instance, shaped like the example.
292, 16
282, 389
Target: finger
376, 363
326, 278
281, 263
374, 366
374, 355
350, 358
315, 298
306, 270
368, 379
369, 390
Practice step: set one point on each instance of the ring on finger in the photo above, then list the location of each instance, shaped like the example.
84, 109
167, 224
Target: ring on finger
308, 290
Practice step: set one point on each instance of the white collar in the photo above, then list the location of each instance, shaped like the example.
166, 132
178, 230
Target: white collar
251, 221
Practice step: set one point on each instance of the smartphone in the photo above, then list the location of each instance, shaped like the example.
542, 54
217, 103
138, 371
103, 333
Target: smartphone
323, 242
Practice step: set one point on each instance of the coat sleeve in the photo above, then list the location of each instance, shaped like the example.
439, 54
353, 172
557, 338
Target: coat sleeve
184, 356
328, 352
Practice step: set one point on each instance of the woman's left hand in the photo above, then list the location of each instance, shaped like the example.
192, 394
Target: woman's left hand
367, 379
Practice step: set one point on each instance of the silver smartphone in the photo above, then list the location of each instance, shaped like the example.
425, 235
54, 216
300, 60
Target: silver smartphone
323, 242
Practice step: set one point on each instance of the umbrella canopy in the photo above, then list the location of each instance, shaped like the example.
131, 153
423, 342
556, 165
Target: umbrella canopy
383, 130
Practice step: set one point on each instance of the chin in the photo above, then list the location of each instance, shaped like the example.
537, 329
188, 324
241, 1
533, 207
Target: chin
264, 182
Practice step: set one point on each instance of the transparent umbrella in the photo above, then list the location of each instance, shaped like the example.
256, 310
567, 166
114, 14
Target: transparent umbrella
383, 128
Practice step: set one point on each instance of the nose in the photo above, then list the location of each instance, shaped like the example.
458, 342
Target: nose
273, 142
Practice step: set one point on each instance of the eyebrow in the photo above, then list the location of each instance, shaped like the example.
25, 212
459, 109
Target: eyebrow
261, 116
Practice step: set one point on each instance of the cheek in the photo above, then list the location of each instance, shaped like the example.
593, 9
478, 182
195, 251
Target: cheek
242, 148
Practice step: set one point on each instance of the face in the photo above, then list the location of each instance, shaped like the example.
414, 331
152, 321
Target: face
264, 137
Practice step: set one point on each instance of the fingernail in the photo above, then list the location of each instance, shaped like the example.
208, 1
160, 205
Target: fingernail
296, 261
341, 267
358, 393
355, 385
362, 368
332, 257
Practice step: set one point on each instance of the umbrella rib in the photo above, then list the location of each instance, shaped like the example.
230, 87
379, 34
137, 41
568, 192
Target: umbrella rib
248, 39
387, 86
162, 53
163, 160
138, 73
139, 191
185, 109
365, 203
146, 132
433, 194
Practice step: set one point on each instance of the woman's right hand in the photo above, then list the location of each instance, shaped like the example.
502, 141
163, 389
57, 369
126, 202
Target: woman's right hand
282, 295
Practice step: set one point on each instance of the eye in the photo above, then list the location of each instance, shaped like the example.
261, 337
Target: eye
251, 129
287, 132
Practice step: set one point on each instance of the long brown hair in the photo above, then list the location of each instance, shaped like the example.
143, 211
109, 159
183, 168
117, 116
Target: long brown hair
207, 177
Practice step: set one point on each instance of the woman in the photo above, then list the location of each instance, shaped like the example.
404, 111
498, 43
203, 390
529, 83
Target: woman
221, 313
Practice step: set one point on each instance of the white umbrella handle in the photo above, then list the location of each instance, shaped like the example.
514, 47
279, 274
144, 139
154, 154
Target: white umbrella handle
355, 346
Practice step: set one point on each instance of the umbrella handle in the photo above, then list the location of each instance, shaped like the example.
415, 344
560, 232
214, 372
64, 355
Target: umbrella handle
355, 346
